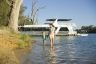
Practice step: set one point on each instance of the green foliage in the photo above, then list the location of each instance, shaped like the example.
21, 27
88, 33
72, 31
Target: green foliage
25, 37
21, 16
87, 29
21, 44
24, 21
4, 10
4, 14
25, 41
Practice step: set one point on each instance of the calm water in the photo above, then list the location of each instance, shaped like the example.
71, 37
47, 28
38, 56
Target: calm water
66, 50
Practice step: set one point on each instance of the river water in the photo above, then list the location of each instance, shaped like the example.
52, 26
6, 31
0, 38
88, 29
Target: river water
66, 50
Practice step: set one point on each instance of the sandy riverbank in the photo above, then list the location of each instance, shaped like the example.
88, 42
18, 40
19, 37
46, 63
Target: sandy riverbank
8, 42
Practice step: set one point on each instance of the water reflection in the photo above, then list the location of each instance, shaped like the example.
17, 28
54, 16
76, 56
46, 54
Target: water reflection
48, 53
52, 56
66, 50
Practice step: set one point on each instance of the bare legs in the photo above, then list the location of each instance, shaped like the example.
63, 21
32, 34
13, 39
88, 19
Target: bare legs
52, 40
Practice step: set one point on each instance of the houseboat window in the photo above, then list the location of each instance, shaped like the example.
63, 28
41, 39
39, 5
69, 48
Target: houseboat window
35, 29
40, 29
64, 29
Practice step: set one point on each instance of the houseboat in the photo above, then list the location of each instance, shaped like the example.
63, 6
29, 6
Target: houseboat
63, 27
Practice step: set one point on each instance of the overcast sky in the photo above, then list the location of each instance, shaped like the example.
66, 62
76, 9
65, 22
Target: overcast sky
82, 12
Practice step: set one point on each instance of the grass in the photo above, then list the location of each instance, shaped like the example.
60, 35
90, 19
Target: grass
24, 41
7, 56
10, 41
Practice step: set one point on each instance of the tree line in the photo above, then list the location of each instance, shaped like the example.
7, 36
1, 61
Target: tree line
87, 29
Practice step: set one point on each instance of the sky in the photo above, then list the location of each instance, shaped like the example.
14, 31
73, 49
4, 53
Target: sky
82, 12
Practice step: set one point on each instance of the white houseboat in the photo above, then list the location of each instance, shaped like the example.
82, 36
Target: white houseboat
63, 27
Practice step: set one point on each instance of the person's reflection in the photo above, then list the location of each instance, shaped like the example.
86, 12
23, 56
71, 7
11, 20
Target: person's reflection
43, 42
52, 55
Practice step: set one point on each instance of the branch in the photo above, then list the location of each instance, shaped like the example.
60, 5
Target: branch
41, 7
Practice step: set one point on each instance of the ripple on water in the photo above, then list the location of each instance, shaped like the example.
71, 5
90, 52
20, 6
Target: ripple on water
66, 50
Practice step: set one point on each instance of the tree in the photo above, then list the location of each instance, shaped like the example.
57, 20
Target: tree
88, 29
5, 7
24, 21
22, 18
35, 10
14, 14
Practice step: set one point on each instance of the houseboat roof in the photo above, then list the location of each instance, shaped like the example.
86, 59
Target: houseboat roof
58, 19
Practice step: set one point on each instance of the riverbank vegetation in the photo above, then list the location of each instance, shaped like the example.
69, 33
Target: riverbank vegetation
10, 38
10, 41
87, 29
12, 16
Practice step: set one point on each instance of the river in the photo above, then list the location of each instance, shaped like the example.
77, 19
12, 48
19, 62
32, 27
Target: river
66, 50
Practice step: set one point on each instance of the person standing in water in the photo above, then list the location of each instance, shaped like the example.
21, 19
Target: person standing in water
52, 34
